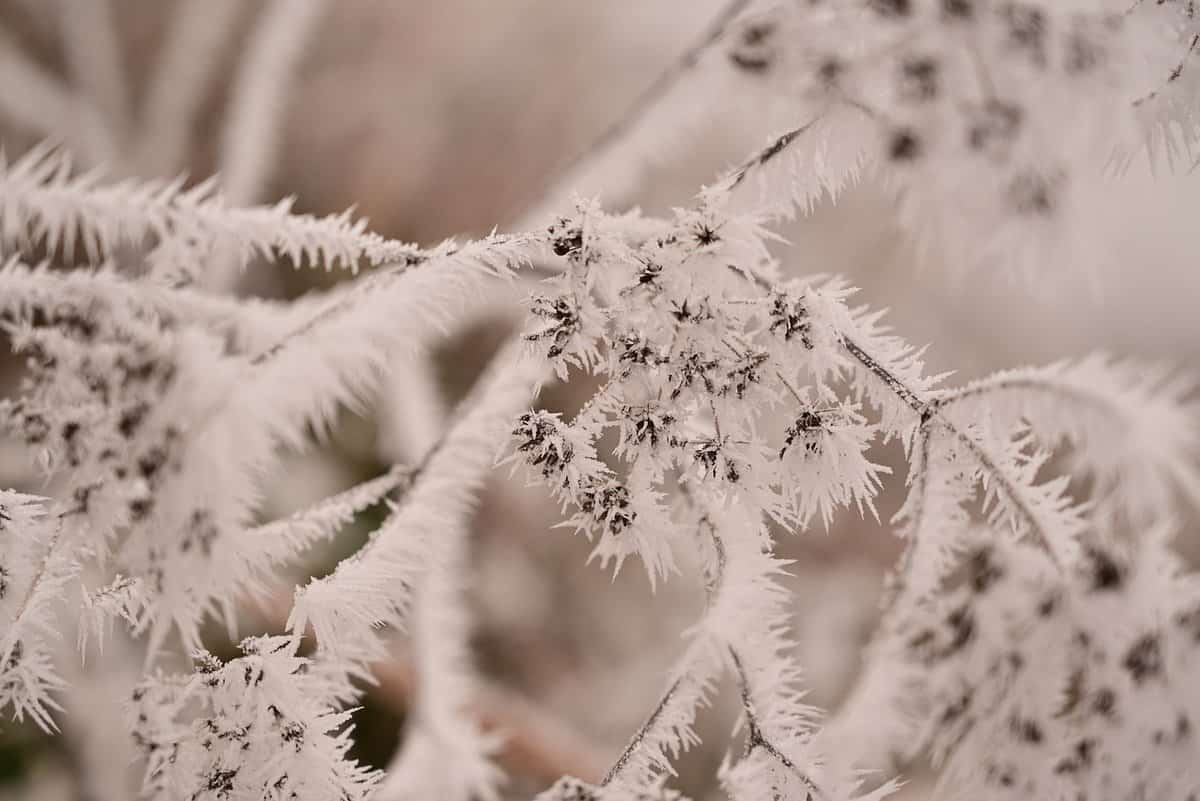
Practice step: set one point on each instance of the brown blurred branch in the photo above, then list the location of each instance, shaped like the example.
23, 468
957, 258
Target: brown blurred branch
536, 743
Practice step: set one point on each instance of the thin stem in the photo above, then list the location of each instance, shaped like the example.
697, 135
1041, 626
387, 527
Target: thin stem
589, 407
795, 393
662, 86
1175, 73
635, 742
986, 461
34, 585
768, 153
988, 386
385, 274
338, 305
928, 411
368, 492
923, 408
712, 405
755, 737
899, 583
712, 587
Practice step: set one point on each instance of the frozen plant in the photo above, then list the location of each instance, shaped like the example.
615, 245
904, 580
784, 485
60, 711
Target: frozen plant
1040, 633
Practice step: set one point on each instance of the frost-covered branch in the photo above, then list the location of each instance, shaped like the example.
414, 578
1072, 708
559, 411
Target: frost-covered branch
35, 568
441, 728
266, 724
44, 204
619, 139
373, 587
1039, 635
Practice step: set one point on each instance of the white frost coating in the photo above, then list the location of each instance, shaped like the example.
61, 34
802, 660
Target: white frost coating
1040, 637
374, 586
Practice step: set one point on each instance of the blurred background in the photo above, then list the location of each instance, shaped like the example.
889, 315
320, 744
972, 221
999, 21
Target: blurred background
441, 118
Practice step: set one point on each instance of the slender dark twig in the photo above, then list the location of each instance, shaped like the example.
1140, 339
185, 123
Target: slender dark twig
928, 411
767, 154
662, 86
635, 742
755, 737
1175, 74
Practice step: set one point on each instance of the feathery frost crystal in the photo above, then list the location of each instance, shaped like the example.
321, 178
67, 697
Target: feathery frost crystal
1040, 635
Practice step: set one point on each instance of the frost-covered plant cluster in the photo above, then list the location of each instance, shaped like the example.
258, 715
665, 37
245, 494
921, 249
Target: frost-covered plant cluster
1040, 636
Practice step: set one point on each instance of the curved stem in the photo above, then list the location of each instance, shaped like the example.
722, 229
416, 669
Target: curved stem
635, 742
768, 153
755, 737
1175, 74
930, 410
661, 87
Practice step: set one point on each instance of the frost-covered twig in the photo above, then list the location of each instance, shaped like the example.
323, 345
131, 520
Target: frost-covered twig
44, 204
533, 740
653, 94
614, 138
373, 586
440, 726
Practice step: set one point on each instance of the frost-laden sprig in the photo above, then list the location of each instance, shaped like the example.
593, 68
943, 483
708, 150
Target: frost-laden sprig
1101, 413
34, 572
43, 203
251, 406
993, 119
696, 339
280, 540
698, 348
975, 111
440, 728
249, 325
749, 613
1032, 684
743, 634
267, 725
1140, 467
136, 397
696, 358
440, 731
374, 586
1129, 430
